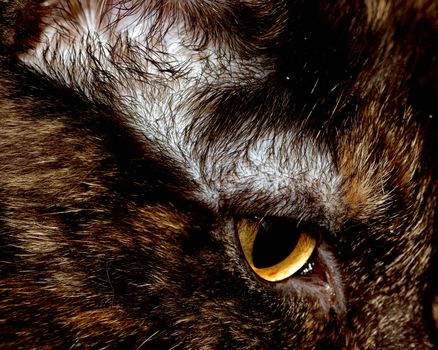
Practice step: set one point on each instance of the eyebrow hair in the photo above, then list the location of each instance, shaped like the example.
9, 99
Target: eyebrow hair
209, 95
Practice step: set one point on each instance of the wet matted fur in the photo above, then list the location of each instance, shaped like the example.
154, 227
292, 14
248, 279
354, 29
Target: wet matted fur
135, 134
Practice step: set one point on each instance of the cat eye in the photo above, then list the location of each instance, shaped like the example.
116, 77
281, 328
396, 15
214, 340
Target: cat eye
275, 248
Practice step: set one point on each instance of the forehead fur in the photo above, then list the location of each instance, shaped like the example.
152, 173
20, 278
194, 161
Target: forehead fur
180, 76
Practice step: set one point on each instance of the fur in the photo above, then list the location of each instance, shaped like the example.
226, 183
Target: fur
134, 134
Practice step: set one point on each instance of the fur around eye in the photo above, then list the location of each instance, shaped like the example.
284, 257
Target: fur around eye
274, 248
140, 139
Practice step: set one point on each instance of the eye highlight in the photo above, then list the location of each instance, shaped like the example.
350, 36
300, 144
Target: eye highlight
275, 248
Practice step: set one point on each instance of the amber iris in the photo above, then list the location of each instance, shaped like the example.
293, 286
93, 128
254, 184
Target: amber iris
275, 248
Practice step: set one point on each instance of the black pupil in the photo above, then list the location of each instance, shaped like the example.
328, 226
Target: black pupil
275, 240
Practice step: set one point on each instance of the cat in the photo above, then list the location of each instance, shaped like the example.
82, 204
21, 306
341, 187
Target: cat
217, 174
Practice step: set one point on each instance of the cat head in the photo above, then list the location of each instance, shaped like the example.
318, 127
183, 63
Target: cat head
194, 133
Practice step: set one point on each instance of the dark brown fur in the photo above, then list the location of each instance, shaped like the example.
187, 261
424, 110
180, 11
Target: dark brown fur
103, 243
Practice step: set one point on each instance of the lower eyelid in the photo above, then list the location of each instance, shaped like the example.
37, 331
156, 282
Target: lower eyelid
324, 283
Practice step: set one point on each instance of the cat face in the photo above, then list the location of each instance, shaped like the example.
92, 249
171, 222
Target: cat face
230, 174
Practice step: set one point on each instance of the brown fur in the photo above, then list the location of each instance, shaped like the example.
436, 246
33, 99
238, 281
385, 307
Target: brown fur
105, 243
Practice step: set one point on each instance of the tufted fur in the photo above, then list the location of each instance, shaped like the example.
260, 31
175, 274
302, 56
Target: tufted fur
133, 134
